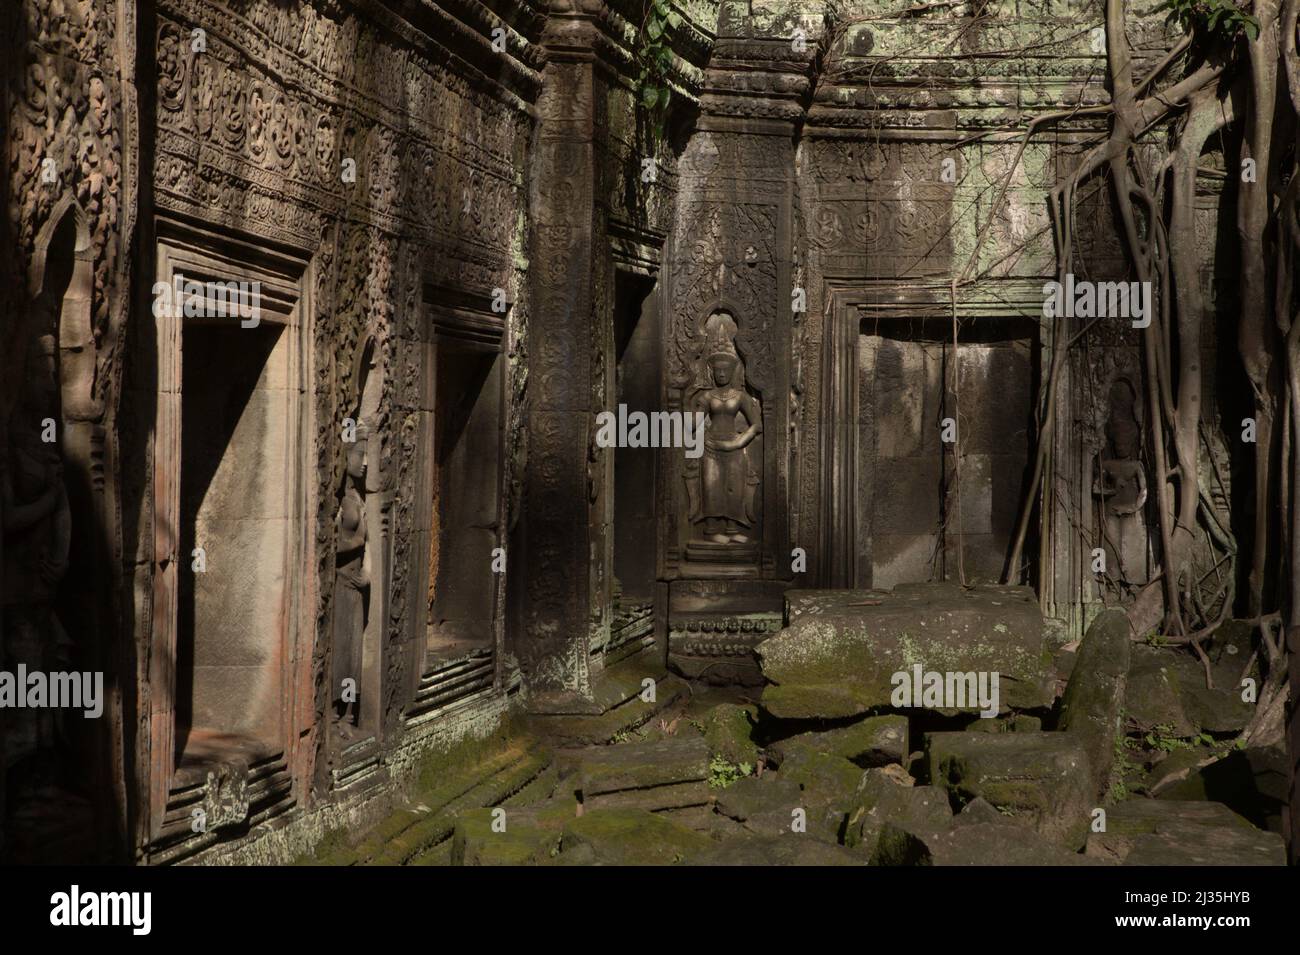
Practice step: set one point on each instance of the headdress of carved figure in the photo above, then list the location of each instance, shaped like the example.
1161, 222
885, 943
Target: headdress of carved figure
720, 337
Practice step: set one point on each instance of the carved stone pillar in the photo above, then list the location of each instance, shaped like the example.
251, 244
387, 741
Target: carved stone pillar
727, 547
554, 537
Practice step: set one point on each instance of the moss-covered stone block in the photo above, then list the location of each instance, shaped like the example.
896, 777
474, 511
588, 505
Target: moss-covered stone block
1094, 700
728, 732
631, 837
510, 836
874, 741
838, 657
1043, 780
977, 844
610, 769
908, 807
1185, 819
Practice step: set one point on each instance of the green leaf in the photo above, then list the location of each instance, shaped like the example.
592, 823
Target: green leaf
674, 19
654, 29
650, 96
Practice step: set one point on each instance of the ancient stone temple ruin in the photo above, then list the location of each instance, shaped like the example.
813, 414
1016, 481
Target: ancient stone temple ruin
695, 431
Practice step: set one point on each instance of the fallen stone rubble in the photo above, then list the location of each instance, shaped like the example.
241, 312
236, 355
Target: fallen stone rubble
819, 769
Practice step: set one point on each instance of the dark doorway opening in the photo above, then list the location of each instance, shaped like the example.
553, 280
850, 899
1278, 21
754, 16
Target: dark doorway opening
466, 486
235, 511
637, 385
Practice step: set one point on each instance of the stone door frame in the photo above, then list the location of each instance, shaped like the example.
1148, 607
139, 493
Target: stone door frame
847, 303
288, 280
453, 317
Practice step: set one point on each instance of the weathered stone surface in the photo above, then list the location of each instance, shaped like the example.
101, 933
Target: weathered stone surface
518, 170
1183, 820
832, 778
571, 730
631, 837
800, 602
1209, 847
924, 808
610, 769
756, 795
1152, 695
1251, 782
830, 787
760, 850
1094, 700
838, 658
1041, 779
875, 741
811, 816
652, 798
1015, 723
1215, 710
1170, 691
524, 836
728, 731
976, 844
978, 810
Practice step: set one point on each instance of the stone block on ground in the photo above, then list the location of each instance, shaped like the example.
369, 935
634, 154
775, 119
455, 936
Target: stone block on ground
652, 798
1181, 820
1094, 699
1152, 699
978, 811
1252, 781
766, 805
1217, 709
755, 795
1041, 779
630, 837
728, 731
975, 844
664, 774
1015, 723
511, 836
1170, 691
757, 850
830, 778
837, 657
874, 741
585, 729
911, 808
1228, 847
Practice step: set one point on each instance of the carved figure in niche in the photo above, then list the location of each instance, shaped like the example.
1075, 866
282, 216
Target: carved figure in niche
1122, 483
351, 585
37, 536
721, 489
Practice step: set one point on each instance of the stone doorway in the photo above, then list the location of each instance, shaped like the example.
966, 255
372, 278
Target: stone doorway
635, 529
234, 448
907, 487
230, 600
462, 591
888, 380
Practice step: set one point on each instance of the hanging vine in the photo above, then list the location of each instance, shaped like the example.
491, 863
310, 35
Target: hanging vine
655, 58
